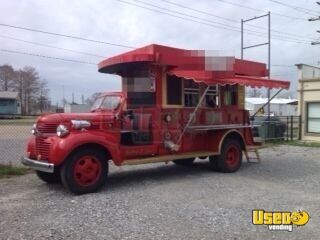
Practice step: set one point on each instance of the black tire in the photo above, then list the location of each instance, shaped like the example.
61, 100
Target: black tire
85, 171
184, 162
213, 163
50, 178
231, 156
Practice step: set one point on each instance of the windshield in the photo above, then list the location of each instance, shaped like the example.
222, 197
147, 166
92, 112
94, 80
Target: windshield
106, 102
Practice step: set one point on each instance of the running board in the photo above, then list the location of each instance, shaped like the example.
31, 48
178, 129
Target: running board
166, 158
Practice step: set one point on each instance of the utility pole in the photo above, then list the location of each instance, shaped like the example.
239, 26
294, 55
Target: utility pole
312, 20
268, 43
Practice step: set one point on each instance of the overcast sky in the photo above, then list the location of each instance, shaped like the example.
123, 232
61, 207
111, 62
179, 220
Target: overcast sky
117, 22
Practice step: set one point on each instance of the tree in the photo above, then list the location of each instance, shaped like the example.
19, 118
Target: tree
7, 77
93, 98
43, 99
33, 92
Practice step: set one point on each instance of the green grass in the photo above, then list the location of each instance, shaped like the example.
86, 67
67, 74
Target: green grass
9, 170
22, 121
302, 144
293, 143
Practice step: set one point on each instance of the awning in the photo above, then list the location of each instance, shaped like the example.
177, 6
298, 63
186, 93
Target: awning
224, 77
194, 64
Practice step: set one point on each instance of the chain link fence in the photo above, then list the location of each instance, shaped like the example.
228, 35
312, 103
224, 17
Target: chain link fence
14, 133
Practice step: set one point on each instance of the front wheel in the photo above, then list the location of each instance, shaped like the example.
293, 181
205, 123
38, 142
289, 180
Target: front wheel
184, 162
231, 157
85, 171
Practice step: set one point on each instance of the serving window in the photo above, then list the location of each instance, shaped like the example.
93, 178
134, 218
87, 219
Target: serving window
191, 93
174, 90
212, 96
230, 95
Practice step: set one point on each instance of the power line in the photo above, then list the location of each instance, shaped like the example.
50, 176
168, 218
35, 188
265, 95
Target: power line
229, 19
297, 8
200, 11
45, 56
226, 27
259, 10
50, 46
65, 35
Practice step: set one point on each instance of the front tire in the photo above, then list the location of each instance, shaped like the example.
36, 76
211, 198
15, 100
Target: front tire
85, 171
49, 178
184, 162
231, 156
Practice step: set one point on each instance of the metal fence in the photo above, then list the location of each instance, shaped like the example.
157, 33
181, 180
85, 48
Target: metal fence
14, 133
285, 128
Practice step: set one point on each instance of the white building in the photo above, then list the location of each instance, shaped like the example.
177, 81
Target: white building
278, 106
309, 101
77, 108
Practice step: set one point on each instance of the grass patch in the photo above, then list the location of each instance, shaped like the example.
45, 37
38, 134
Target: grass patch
302, 144
18, 122
293, 143
9, 170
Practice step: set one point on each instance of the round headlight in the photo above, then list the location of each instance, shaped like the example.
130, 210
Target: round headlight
34, 129
62, 130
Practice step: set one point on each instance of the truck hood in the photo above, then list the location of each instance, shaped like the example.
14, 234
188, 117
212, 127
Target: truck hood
67, 117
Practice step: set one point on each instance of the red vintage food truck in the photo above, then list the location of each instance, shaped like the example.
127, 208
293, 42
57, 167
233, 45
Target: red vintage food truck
175, 105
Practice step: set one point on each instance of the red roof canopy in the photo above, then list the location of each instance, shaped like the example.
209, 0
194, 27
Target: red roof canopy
196, 65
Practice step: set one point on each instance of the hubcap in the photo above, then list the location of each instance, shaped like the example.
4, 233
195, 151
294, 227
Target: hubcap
232, 156
87, 170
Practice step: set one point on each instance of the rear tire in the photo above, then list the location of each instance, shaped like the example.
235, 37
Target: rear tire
184, 162
231, 156
49, 178
85, 171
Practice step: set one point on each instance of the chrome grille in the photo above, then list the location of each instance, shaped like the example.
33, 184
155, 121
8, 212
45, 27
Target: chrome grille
47, 127
42, 148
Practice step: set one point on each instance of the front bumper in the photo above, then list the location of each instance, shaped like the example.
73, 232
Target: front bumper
38, 165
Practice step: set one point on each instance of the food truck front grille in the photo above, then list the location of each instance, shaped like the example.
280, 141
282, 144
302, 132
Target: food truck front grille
42, 148
46, 128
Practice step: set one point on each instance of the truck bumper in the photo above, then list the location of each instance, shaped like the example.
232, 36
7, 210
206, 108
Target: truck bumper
38, 165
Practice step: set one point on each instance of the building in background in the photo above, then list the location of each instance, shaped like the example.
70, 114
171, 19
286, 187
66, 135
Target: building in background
9, 103
76, 108
278, 106
309, 101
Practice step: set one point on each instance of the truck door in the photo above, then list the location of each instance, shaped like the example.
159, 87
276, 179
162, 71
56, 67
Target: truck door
137, 135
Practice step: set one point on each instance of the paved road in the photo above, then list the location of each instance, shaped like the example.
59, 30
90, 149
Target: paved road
169, 202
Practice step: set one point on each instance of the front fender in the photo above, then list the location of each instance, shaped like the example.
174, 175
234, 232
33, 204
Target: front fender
60, 148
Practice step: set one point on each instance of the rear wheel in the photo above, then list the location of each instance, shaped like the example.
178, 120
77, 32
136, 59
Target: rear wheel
85, 171
231, 156
50, 178
184, 162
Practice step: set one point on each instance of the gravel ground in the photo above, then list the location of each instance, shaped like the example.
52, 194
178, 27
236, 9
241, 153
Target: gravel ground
160, 201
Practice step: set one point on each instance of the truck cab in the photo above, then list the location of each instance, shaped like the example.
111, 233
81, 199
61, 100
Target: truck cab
175, 105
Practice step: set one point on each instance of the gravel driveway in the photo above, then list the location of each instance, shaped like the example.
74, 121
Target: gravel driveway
169, 202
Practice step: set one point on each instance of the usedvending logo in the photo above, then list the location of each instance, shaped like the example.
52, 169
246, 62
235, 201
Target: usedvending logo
280, 221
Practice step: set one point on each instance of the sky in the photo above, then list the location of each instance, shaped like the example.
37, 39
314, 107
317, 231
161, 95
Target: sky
203, 24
